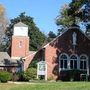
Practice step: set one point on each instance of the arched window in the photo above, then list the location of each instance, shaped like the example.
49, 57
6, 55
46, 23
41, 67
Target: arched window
73, 61
83, 62
63, 61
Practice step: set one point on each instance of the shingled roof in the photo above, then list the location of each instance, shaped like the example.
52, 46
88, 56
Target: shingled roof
5, 60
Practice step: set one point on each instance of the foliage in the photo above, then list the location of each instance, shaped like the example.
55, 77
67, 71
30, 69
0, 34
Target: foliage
30, 74
33, 64
61, 30
71, 75
5, 76
51, 36
21, 76
63, 18
36, 36
76, 12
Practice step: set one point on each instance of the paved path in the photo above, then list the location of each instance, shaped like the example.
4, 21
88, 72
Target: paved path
22, 82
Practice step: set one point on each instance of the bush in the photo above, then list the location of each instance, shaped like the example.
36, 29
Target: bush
21, 76
70, 75
5, 76
74, 75
30, 74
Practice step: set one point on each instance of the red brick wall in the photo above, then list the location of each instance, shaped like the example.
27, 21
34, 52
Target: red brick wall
64, 45
17, 51
50, 57
28, 60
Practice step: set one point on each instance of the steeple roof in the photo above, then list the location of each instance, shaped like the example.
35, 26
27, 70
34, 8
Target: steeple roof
20, 24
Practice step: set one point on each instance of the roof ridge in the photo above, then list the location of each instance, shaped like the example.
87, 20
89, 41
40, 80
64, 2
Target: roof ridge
20, 24
63, 33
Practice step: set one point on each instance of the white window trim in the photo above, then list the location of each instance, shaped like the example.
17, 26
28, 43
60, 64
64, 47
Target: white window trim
63, 62
78, 64
84, 60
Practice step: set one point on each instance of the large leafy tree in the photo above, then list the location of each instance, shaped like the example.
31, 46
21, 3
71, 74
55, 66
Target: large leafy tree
36, 36
76, 12
63, 19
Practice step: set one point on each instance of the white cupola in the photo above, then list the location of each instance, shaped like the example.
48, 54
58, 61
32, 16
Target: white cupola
20, 29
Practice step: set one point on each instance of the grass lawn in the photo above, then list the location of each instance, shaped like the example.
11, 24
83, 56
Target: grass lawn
47, 86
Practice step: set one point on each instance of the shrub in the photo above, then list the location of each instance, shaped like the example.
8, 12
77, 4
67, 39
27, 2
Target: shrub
5, 76
70, 75
21, 76
33, 63
30, 74
74, 75
64, 76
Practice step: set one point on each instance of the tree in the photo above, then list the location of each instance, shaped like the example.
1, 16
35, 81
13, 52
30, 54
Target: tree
75, 12
87, 18
36, 36
88, 30
63, 20
3, 24
51, 36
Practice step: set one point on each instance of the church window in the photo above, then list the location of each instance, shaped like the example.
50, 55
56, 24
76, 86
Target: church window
73, 62
63, 61
83, 62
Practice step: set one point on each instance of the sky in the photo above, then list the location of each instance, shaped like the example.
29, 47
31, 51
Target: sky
44, 12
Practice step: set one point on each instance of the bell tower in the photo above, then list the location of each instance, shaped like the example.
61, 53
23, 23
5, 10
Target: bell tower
20, 41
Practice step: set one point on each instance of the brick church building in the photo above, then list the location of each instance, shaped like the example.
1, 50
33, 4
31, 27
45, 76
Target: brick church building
68, 51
